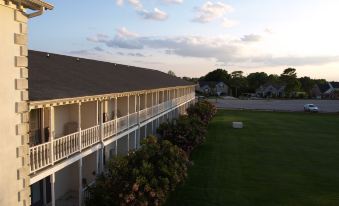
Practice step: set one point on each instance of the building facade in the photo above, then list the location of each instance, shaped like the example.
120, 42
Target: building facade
63, 118
14, 144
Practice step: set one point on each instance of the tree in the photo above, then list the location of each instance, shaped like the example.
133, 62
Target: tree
144, 177
170, 72
307, 84
218, 75
238, 82
255, 80
289, 77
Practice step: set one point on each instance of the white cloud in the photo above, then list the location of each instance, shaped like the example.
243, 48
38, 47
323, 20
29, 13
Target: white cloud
135, 3
123, 32
228, 23
223, 49
156, 14
119, 2
173, 1
251, 38
211, 11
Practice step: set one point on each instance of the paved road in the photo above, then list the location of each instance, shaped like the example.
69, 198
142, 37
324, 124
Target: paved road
279, 105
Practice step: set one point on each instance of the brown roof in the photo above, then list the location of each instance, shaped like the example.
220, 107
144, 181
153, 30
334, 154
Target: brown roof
56, 76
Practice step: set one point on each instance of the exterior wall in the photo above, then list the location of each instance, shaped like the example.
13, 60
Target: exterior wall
123, 145
14, 180
89, 116
67, 181
110, 151
122, 106
89, 167
64, 116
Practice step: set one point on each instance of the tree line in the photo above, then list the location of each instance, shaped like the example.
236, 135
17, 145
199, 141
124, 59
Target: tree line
240, 83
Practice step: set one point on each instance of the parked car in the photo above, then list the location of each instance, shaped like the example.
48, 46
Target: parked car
311, 108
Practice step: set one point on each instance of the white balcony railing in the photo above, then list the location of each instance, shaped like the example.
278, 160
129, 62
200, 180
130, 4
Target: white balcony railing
40, 155
90, 137
142, 115
66, 146
63, 147
109, 129
133, 119
122, 123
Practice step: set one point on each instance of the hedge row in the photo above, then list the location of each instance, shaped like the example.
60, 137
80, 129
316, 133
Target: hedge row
189, 131
146, 176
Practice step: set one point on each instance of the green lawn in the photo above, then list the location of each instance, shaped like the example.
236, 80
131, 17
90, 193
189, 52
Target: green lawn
277, 159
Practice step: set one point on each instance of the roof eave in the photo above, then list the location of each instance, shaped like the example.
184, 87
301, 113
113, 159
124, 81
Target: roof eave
34, 4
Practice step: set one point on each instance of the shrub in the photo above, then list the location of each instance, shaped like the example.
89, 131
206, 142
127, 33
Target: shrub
185, 132
204, 110
142, 178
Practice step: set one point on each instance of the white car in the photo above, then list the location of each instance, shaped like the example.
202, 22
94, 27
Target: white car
311, 108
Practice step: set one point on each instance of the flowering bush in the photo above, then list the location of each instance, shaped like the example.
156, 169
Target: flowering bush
145, 177
204, 110
185, 132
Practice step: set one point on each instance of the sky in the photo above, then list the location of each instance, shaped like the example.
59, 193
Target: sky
193, 37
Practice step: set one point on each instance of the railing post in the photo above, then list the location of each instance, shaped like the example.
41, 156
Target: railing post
51, 133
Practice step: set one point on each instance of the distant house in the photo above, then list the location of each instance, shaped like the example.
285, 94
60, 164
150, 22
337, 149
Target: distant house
328, 90
271, 90
211, 87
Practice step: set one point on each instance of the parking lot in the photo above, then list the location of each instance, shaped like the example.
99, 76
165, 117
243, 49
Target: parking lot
278, 105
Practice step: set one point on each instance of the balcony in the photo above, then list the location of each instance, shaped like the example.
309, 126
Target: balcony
59, 149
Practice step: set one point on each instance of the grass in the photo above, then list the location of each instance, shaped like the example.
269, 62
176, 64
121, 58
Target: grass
277, 159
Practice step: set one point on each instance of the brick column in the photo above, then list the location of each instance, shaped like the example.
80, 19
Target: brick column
22, 108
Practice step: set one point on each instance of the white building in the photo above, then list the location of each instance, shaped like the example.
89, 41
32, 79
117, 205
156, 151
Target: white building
64, 117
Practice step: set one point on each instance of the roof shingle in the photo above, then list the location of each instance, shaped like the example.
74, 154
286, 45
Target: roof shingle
56, 76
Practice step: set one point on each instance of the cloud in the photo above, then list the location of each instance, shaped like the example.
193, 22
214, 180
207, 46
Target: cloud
269, 30
123, 32
119, 2
156, 14
98, 49
251, 38
116, 42
210, 11
224, 49
137, 54
135, 3
173, 1
228, 23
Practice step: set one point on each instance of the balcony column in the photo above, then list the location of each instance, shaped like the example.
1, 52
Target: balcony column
101, 133
138, 110
128, 112
152, 104
79, 126
52, 179
80, 181
44, 189
146, 102
128, 122
135, 110
116, 114
51, 132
